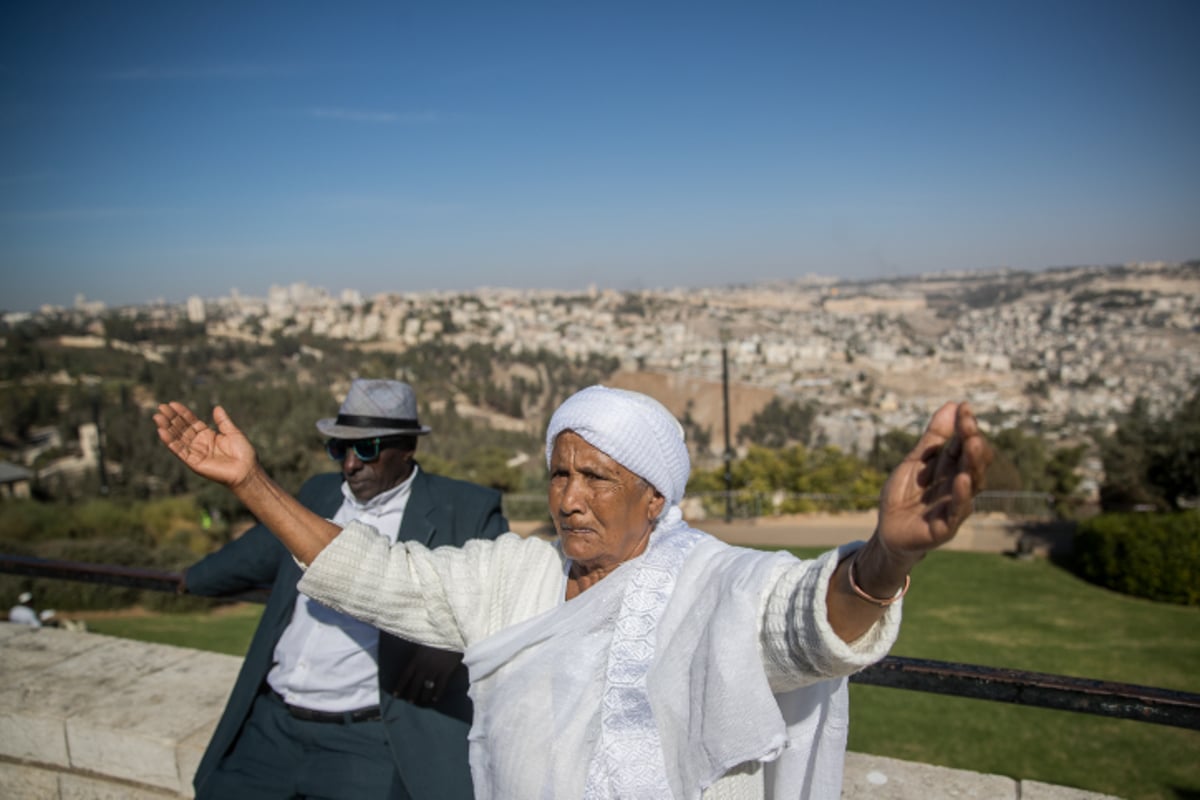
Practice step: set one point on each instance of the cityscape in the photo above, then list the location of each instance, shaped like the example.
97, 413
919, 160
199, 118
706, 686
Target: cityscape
1061, 353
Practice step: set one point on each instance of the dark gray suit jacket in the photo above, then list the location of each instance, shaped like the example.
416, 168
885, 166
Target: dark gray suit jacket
429, 744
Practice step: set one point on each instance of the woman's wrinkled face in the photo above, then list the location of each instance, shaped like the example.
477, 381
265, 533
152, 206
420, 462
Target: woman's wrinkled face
603, 512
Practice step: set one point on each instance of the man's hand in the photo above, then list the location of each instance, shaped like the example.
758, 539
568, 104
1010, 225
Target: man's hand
929, 495
224, 455
423, 677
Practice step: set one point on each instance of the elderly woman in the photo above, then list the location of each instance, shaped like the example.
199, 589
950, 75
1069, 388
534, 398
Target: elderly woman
635, 656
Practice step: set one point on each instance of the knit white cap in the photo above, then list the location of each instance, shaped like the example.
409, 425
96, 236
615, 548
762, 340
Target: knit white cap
633, 429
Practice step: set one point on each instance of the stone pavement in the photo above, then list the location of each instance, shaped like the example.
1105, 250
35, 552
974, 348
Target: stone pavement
91, 717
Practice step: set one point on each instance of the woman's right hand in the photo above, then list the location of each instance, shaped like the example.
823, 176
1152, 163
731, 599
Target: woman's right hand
227, 457
224, 455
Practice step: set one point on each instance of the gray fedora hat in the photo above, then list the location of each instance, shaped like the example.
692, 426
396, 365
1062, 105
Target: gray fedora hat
375, 408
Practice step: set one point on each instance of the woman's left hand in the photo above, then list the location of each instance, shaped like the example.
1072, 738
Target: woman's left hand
929, 495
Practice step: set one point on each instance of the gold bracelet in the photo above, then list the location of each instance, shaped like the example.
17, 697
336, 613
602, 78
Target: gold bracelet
884, 602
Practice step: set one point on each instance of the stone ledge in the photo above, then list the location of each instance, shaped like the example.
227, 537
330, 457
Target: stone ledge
31, 782
91, 717
870, 777
85, 704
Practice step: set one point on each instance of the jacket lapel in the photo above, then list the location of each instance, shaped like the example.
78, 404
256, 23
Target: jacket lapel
421, 516
329, 502
322, 496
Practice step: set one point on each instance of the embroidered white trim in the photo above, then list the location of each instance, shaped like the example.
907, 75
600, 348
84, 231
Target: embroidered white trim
628, 760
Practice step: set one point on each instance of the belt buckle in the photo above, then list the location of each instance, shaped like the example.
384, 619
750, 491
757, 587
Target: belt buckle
370, 714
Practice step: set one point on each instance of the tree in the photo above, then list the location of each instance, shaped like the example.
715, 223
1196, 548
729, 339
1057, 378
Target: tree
1151, 462
1026, 459
888, 450
698, 436
1126, 455
797, 471
1063, 473
1174, 467
1023, 463
487, 466
780, 424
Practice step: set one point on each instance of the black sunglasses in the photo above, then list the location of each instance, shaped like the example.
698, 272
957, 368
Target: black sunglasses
365, 449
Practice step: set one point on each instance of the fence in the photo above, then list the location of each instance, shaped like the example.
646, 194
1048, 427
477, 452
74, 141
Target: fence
1103, 698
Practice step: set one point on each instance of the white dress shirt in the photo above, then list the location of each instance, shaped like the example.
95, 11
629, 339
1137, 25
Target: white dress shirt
325, 660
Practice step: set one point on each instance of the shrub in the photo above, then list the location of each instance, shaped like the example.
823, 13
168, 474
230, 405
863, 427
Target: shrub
31, 521
99, 520
1156, 556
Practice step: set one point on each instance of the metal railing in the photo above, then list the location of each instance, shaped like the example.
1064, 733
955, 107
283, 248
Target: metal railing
1041, 690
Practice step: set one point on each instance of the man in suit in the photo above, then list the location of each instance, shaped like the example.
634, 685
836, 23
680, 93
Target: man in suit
326, 706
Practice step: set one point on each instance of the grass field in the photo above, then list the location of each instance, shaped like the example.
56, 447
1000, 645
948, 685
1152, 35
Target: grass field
990, 609
976, 608
228, 629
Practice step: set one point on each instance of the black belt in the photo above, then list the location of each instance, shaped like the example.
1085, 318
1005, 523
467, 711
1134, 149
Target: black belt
369, 714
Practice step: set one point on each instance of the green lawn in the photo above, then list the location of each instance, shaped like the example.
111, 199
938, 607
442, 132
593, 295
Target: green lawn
226, 630
982, 609
991, 609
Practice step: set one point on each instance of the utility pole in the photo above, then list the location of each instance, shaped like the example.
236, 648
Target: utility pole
99, 443
728, 447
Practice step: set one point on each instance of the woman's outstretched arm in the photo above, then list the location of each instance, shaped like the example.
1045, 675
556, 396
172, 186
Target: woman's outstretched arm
923, 503
225, 456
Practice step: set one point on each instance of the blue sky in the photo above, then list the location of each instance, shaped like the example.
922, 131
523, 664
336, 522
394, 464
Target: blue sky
163, 149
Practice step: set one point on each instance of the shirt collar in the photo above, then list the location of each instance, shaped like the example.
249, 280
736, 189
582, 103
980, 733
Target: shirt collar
379, 501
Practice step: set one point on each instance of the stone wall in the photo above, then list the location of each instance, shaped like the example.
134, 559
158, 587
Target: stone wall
80, 712
91, 717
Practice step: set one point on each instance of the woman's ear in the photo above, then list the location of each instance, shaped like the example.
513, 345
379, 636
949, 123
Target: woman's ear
655, 506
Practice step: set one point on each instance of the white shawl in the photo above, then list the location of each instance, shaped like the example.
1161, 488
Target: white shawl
650, 685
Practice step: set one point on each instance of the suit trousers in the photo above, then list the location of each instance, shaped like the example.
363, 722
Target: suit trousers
278, 756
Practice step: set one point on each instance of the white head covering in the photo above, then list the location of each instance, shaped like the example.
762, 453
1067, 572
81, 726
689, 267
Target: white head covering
634, 430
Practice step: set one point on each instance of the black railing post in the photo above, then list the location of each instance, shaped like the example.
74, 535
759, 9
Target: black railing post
728, 446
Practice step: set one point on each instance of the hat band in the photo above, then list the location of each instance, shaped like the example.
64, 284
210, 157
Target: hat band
358, 421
